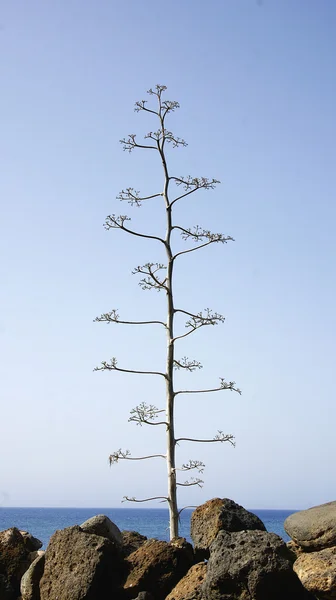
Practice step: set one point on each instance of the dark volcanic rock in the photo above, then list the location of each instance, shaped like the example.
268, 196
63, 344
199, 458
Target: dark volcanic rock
80, 566
314, 528
251, 565
156, 567
32, 543
132, 540
14, 561
217, 515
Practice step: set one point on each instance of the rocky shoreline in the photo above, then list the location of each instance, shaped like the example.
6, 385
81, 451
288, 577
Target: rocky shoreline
232, 557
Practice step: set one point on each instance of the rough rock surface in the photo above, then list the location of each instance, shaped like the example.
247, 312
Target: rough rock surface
314, 528
216, 515
30, 582
156, 567
132, 540
317, 572
294, 550
102, 525
190, 586
14, 561
32, 543
251, 565
80, 566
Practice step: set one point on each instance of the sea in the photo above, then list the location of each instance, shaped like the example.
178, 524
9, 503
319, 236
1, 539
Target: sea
151, 522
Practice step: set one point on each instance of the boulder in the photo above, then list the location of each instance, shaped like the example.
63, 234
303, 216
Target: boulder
251, 565
317, 572
294, 549
103, 526
35, 554
216, 515
314, 528
156, 567
190, 586
6, 590
14, 561
32, 543
132, 540
81, 566
30, 582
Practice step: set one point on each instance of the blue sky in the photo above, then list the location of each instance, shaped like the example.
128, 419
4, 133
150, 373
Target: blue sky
257, 87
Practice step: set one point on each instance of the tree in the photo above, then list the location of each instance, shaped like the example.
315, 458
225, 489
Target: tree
159, 276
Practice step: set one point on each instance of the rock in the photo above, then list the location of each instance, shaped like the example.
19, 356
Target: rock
81, 566
144, 596
103, 526
156, 567
317, 572
216, 515
294, 550
30, 582
32, 543
190, 586
251, 565
35, 554
14, 561
6, 590
314, 528
132, 540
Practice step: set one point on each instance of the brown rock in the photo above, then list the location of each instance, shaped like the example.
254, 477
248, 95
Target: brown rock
80, 566
216, 515
132, 540
14, 561
189, 587
314, 528
294, 550
156, 567
32, 543
317, 572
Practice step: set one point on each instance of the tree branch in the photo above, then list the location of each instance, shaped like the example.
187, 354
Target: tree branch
117, 222
192, 481
192, 184
113, 317
113, 367
198, 234
151, 282
191, 465
224, 385
193, 249
130, 143
133, 197
199, 320
189, 365
140, 105
126, 455
162, 498
146, 414
219, 437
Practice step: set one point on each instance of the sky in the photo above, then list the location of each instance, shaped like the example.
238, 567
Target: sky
256, 83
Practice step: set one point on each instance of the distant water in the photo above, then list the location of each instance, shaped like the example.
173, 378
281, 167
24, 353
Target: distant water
152, 522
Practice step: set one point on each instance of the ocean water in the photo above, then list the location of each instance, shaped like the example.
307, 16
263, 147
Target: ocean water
152, 522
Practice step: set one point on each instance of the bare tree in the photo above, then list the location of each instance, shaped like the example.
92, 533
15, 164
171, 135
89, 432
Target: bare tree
160, 277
